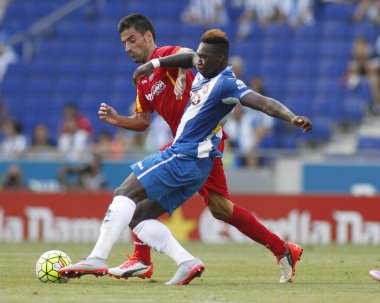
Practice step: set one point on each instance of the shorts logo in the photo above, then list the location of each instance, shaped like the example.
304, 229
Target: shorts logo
139, 164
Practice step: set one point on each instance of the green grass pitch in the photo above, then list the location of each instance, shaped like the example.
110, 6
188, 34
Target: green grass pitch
234, 273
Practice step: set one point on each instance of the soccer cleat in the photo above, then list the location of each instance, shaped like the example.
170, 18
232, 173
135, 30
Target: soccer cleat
133, 267
87, 266
288, 262
186, 272
375, 274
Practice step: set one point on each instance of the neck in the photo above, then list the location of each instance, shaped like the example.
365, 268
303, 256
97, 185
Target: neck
149, 53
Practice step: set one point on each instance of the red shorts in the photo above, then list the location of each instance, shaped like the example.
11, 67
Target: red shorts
216, 180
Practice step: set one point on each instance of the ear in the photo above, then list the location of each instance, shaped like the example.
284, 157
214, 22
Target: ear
149, 37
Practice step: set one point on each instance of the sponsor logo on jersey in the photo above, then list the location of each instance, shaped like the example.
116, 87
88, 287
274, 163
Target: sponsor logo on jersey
157, 89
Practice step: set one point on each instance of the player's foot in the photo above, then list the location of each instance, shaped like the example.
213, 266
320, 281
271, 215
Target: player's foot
375, 274
133, 267
288, 262
87, 266
186, 272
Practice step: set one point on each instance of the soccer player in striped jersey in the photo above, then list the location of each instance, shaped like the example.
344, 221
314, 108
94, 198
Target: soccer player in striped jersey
167, 93
163, 181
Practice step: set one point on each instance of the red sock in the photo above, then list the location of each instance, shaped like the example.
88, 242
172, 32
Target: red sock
246, 222
142, 251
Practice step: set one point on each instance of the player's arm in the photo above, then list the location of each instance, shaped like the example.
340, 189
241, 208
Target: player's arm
275, 109
184, 60
180, 83
135, 122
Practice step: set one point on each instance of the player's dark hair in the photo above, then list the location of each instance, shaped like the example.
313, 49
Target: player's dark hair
141, 24
217, 38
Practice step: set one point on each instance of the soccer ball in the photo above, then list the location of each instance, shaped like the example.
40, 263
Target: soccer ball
48, 265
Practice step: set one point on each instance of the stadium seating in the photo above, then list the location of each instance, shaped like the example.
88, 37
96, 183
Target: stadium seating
82, 60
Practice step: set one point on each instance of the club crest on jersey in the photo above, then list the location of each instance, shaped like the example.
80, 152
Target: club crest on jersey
205, 88
195, 98
157, 89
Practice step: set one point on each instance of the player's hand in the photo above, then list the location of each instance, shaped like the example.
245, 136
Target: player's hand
142, 71
179, 87
303, 122
108, 114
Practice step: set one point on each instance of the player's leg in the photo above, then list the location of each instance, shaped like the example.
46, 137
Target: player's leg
117, 218
140, 264
183, 176
159, 237
215, 193
141, 255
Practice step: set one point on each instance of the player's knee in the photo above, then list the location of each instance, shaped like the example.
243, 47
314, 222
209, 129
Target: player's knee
219, 214
134, 222
120, 191
220, 207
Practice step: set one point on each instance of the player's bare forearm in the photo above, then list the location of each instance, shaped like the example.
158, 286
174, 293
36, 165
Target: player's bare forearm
183, 50
135, 122
278, 110
267, 105
275, 109
184, 60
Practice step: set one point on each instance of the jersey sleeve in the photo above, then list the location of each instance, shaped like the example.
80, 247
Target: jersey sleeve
142, 104
234, 90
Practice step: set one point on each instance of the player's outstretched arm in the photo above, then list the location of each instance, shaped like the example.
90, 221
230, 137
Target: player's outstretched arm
184, 60
275, 109
136, 122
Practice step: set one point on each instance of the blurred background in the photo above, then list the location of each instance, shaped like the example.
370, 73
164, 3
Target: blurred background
60, 59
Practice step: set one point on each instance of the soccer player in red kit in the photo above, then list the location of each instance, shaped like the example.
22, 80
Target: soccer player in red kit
167, 92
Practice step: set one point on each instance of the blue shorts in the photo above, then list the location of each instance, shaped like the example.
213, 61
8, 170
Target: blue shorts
170, 178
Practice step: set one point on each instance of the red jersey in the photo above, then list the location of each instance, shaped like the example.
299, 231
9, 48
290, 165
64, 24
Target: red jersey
156, 92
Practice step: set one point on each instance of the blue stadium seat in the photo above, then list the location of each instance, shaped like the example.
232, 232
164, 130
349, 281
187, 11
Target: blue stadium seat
246, 49
335, 30
277, 32
304, 33
368, 143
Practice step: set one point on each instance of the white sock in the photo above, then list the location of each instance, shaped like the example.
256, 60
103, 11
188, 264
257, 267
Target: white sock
118, 216
159, 237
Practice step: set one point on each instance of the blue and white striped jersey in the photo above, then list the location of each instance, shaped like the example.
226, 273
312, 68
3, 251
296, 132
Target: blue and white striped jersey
211, 102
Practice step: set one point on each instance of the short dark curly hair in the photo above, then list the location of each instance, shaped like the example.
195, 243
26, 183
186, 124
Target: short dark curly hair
217, 38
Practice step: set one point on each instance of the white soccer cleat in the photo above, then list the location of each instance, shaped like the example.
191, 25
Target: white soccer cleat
186, 272
87, 266
133, 267
288, 262
375, 274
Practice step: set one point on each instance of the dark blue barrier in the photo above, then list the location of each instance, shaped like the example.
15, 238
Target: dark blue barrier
43, 176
